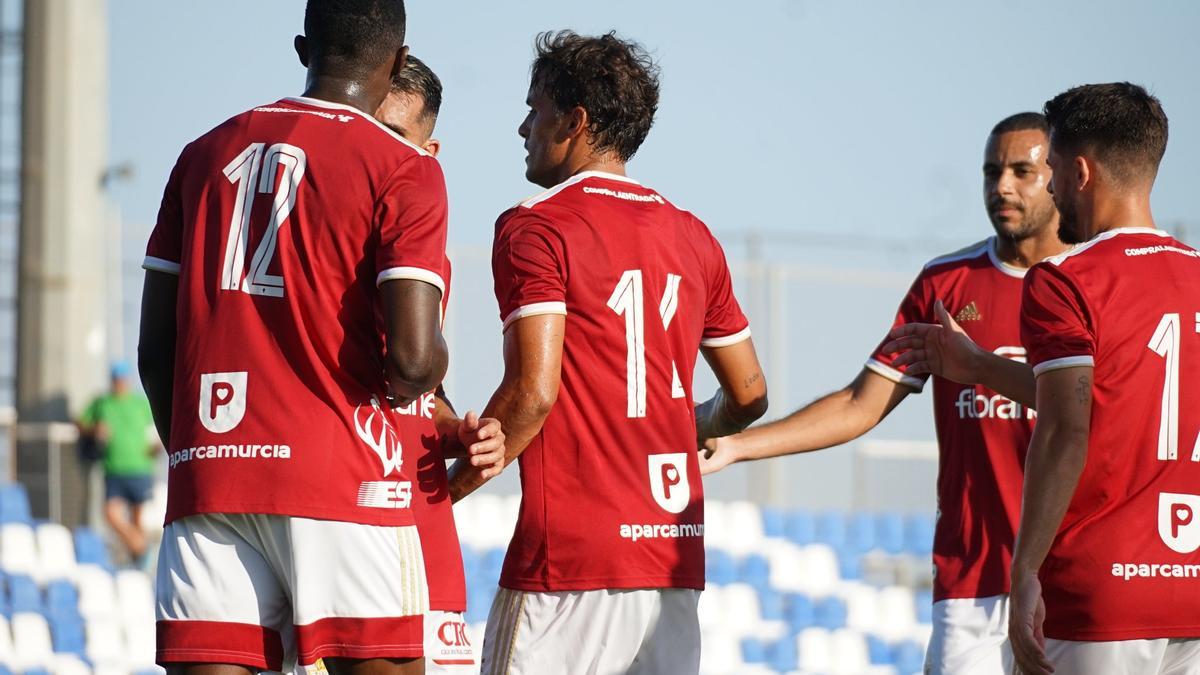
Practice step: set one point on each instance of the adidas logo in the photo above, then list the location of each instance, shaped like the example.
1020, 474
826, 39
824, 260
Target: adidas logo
968, 313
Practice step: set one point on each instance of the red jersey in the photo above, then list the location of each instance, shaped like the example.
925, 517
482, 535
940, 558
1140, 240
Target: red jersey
280, 223
611, 492
431, 504
1125, 564
982, 436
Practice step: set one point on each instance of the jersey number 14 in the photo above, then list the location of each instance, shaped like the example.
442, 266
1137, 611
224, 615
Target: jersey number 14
254, 172
628, 300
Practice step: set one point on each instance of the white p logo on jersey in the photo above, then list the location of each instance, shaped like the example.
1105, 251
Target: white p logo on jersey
1179, 521
669, 481
222, 400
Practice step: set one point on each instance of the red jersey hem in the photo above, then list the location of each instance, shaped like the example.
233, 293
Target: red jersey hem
1119, 634
392, 517
601, 583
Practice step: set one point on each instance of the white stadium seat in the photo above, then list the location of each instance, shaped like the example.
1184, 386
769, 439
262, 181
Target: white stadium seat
816, 650
97, 593
56, 553
722, 653
740, 607
862, 606
18, 549
105, 641
135, 596
744, 520
7, 653
788, 565
821, 568
897, 613
69, 664
850, 653
31, 641
711, 608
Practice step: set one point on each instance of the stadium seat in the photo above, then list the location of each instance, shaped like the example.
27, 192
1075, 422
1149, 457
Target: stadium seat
924, 606
878, 651
862, 607
889, 532
18, 549
710, 609
755, 570
722, 653
773, 522
140, 639
771, 605
741, 608
479, 600
6, 646
831, 529
860, 533
897, 616
782, 655
800, 528
32, 646
909, 657
745, 527
62, 600
720, 567
918, 534
97, 593
56, 552
23, 594
105, 641
90, 550
69, 664
821, 567
815, 651
135, 597
67, 635
14, 504
788, 565
830, 613
850, 566
850, 653
798, 610
753, 651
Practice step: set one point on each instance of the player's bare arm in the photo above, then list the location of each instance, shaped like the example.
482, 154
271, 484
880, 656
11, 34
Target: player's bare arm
532, 373
834, 419
416, 351
944, 349
742, 398
1056, 458
156, 347
479, 438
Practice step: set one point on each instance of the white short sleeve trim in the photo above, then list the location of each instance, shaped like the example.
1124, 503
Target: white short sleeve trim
160, 265
416, 273
535, 309
888, 372
1064, 362
743, 334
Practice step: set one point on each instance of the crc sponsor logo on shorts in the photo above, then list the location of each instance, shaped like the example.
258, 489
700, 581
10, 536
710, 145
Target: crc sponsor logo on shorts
978, 403
661, 530
669, 481
453, 647
374, 430
1179, 521
222, 400
230, 451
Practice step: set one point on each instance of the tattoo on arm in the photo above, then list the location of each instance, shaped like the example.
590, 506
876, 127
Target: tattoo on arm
751, 380
1084, 390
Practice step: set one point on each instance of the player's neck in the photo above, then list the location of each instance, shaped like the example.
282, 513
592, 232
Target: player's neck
607, 163
347, 91
1032, 250
1132, 210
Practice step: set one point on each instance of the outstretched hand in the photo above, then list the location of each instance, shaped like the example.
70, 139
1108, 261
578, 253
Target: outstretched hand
484, 443
1027, 613
943, 349
716, 454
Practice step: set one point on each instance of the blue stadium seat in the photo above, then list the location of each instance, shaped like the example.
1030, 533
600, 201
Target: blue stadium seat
37, 671
924, 603
755, 570
918, 534
879, 651
68, 636
90, 549
774, 522
800, 528
61, 598
493, 563
14, 504
860, 533
753, 651
889, 532
908, 657
830, 613
479, 600
850, 566
782, 656
470, 561
771, 605
720, 567
4, 670
799, 613
23, 594
831, 529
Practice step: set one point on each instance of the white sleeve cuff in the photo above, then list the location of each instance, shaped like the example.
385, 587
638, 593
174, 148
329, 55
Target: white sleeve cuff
533, 310
1064, 362
725, 341
415, 273
160, 265
880, 368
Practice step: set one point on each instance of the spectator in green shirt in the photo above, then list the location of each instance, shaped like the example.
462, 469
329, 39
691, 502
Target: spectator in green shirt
122, 428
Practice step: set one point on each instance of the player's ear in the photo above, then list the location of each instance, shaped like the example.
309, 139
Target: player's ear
577, 122
1083, 172
301, 45
433, 146
401, 59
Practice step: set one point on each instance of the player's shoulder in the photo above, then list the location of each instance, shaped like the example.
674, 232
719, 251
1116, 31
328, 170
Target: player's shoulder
1124, 242
979, 254
359, 122
588, 188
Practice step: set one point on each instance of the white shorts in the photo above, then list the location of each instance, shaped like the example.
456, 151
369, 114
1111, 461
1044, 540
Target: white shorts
1125, 657
605, 632
273, 592
447, 648
970, 637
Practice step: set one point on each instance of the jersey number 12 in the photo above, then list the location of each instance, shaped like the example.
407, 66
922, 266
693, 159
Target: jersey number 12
254, 172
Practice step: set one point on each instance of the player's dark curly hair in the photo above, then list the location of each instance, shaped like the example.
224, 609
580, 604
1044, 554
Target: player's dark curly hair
1120, 123
614, 80
354, 35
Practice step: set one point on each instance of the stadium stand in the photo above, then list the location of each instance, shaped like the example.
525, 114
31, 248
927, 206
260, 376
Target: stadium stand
789, 591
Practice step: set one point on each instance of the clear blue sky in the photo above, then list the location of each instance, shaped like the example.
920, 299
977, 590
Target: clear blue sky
858, 120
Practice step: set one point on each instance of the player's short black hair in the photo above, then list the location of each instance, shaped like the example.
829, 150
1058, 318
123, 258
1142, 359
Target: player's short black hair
417, 79
353, 34
1120, 123
614, 80
1022, 121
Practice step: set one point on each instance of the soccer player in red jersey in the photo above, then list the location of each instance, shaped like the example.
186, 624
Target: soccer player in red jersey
1108, 552
292, 294
982, 435
608, 292
430, 426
